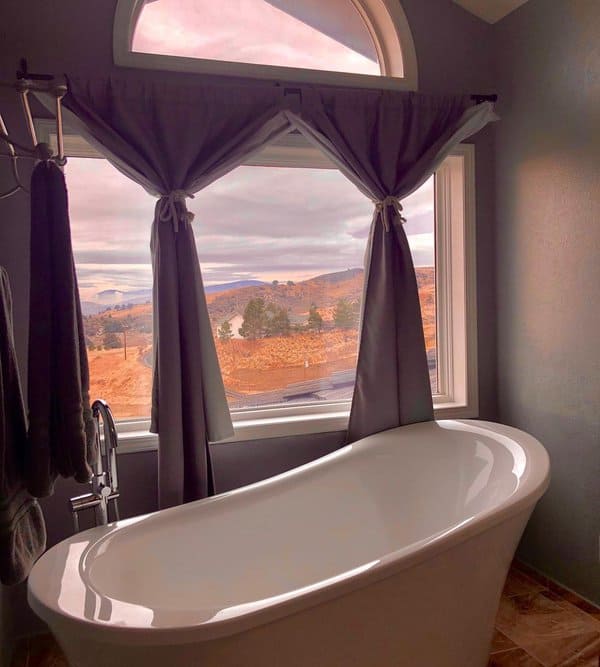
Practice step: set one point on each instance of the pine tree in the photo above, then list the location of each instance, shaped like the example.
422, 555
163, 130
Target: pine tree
111, 341
345, 315
224, 332
278, 321
255, 320
315, 321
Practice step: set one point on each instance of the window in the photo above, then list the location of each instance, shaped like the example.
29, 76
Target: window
262, 32
282, 268
339, 41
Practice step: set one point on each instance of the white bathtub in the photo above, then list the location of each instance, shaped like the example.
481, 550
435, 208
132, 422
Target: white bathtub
390, 551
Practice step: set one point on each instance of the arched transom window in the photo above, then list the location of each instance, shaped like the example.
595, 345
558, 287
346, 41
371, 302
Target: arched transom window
262, 32
363, 42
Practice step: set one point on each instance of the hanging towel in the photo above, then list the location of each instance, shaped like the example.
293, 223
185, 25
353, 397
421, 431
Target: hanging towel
22, 529
61, 427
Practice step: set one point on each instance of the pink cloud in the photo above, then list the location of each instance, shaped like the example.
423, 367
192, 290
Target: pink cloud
251, 31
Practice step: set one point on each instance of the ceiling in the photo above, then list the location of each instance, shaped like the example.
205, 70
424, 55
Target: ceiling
490, 10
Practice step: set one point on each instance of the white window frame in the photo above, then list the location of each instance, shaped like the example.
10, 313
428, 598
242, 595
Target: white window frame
456, 304
384, 19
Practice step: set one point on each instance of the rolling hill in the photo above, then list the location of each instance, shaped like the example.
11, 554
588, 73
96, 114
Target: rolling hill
253, 370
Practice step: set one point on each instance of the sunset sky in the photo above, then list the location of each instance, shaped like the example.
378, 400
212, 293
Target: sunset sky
255, 31
256, 222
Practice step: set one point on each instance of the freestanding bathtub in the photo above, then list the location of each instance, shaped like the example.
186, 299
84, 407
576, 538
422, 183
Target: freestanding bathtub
390, 551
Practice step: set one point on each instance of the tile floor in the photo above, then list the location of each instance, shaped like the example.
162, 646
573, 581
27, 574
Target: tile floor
539, 624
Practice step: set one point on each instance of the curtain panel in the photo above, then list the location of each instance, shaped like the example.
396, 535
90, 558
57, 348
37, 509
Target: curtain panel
175, 139
389, 143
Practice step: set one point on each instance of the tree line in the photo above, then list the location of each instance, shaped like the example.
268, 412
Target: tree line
266, 320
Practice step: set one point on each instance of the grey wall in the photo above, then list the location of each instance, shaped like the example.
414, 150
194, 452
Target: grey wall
454, 55
548, 270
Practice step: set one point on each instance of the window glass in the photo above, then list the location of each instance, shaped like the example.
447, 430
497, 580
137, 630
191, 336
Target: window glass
292, 33
281, 251
110, 228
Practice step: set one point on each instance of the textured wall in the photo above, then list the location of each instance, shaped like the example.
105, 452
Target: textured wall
548, 270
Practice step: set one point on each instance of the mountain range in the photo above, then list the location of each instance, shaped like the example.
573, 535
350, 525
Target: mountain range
108, 299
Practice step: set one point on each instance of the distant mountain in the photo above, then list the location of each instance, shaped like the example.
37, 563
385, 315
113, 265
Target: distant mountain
338, 276
92, 308
112, 297
324, 291
237, 284
228, 300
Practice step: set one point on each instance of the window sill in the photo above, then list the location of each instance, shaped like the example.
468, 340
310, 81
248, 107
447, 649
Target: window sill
133, 441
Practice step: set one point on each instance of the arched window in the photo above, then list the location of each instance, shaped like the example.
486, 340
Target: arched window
357, 42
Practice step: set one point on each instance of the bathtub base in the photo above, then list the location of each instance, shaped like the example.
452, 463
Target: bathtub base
439, 613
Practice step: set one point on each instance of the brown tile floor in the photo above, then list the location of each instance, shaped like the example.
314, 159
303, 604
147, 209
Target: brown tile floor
539, 624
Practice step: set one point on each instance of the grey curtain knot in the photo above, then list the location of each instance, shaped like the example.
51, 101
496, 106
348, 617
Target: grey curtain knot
169, 211
383, 207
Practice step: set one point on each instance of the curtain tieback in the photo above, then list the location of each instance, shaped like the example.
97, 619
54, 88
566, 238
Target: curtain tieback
383, 207
172, 207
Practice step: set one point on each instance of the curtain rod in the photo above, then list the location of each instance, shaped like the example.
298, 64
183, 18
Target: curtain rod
47, 86
45, 83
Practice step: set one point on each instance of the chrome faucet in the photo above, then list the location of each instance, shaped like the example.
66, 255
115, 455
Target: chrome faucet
104, 482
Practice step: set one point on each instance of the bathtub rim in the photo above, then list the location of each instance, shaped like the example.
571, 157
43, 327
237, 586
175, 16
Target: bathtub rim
522, 500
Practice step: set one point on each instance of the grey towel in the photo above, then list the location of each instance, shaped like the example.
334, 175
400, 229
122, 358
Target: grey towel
22, 529
61, 426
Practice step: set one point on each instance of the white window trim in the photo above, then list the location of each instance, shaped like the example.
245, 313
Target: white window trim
456, 286
385, 20
455, 295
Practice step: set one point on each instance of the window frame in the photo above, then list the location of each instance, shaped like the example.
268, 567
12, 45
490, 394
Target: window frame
385, 21
456, 304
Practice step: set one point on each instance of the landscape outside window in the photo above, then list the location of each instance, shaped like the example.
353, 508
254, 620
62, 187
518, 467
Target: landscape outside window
281, 251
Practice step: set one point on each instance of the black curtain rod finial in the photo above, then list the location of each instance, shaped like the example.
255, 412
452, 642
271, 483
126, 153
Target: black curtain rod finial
478, 99
23, 73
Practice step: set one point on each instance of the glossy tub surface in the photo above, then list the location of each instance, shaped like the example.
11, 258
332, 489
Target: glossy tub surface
390, 551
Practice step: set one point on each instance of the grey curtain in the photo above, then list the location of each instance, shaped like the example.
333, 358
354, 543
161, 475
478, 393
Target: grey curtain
388, 143
174, 140
61, 434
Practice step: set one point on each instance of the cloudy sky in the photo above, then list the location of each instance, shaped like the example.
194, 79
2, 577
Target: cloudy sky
264, 223
256, 31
